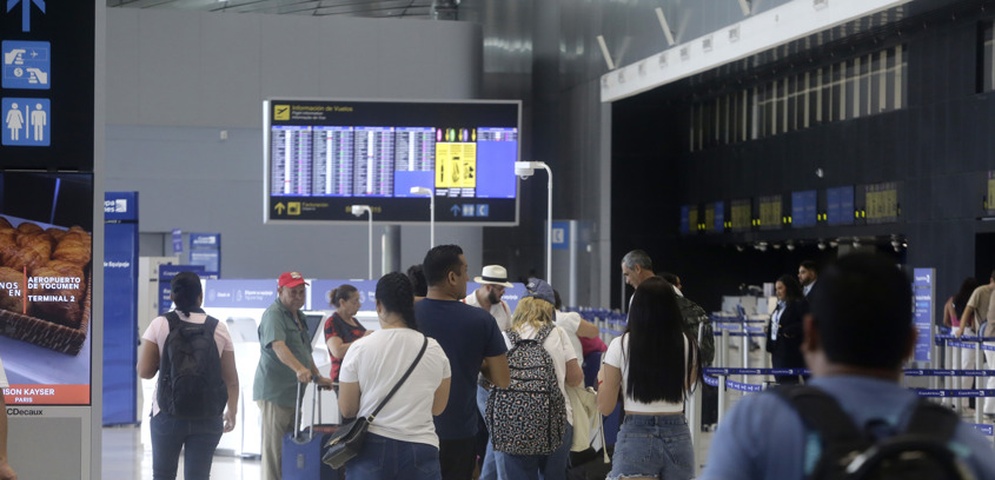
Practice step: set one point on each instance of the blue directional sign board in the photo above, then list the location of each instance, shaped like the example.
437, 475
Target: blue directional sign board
561, 235
924, 291
47, 52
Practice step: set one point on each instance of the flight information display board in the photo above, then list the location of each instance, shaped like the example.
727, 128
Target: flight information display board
881, 200
771, 208
803, 208
740, 215
839, 206
990, 204
324, 156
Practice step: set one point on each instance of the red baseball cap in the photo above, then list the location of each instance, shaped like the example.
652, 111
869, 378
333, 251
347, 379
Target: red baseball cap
290, 279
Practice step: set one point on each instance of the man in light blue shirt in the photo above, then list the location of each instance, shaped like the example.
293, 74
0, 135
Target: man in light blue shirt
856, 339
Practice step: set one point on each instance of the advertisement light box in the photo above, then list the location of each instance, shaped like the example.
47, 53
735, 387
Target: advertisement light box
46, 225
324, 156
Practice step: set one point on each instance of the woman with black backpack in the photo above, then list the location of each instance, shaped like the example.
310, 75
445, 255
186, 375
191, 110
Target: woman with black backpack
655, 365
196, 397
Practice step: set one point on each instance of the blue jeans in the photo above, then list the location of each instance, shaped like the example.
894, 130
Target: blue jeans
488, 468
657, 446
383, 458
534, 467
198, 439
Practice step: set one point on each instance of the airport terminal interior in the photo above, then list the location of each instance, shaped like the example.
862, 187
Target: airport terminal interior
730, 140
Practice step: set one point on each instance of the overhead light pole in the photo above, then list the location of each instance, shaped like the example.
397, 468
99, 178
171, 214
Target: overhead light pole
431, 212
358, 211
525, 170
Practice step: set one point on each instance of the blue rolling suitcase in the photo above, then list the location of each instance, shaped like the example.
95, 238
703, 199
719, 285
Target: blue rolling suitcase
302, 449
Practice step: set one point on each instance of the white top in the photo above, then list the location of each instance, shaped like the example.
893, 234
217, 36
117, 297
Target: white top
570, 323
378, 361
558, 345
3, 376
614, 358
500, 311
159, 329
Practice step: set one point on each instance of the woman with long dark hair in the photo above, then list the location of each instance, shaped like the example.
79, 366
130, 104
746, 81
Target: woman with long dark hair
341, 327
401, 441
197, 437
952, 315
655, 364
784, 330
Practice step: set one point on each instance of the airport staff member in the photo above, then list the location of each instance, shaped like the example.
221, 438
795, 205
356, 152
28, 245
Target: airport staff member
284, 362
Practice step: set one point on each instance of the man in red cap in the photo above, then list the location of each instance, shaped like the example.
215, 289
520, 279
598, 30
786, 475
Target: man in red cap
284, 362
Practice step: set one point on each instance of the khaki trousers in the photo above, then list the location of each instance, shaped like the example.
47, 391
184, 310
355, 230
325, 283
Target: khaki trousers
277, 422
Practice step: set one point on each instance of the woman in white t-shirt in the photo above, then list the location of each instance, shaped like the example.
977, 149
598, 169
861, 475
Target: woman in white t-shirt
533, 315
655, 364
170, 433
401, 441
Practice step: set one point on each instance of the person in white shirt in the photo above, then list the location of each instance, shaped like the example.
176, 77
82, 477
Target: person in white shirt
401, 441
654, 364
493, 280
6, 472
533, 313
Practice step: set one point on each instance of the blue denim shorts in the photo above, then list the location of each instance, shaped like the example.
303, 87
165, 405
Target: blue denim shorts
656, 446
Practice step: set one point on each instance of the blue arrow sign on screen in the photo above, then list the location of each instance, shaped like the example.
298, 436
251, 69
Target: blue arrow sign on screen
26, 11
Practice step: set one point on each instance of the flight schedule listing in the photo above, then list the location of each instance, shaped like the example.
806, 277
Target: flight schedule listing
386, 161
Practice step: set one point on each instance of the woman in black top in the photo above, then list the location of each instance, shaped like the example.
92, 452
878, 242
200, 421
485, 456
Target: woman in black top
784, 331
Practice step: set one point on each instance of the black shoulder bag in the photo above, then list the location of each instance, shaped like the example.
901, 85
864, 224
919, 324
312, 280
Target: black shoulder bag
346, 443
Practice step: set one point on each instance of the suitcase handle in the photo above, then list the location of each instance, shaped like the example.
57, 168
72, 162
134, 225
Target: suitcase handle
315, 406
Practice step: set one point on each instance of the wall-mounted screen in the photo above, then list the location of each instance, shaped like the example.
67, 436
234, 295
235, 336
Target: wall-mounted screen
803, 209
323, 156
990, 204
46, 225
715, 217
741, 215
771, 209
839, 206
685, 226
881, 200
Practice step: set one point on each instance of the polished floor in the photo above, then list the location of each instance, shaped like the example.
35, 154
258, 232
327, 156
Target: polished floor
124, 457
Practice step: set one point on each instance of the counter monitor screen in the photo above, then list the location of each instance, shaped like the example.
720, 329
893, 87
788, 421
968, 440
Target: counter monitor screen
324, 156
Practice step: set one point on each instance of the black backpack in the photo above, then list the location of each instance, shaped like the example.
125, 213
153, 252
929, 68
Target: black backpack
190, 383
530, 416
919, 452
694, 316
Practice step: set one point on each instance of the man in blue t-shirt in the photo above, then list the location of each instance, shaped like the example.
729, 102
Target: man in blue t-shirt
472, 341
859, 333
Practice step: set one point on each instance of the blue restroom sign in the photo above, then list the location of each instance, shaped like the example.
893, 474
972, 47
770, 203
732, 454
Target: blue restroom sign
26, 122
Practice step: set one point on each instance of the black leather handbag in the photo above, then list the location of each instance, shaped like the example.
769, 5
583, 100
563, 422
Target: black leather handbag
347, 442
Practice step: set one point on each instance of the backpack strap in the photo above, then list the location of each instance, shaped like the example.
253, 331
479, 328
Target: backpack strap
933, 420
842, 441
544, 332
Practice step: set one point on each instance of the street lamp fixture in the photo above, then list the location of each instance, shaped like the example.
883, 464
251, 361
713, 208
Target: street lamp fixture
431, 211
525, 170
358, 211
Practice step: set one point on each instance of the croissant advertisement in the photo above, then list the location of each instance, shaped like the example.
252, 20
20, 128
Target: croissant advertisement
46, 221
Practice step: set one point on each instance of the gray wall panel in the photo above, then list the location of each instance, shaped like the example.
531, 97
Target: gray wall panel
168, 67
230, 73
122, 77
291, 53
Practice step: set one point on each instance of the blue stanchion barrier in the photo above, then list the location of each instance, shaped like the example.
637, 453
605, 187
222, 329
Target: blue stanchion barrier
984, 429
720, 319
741, 334
754, 371
940, 393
